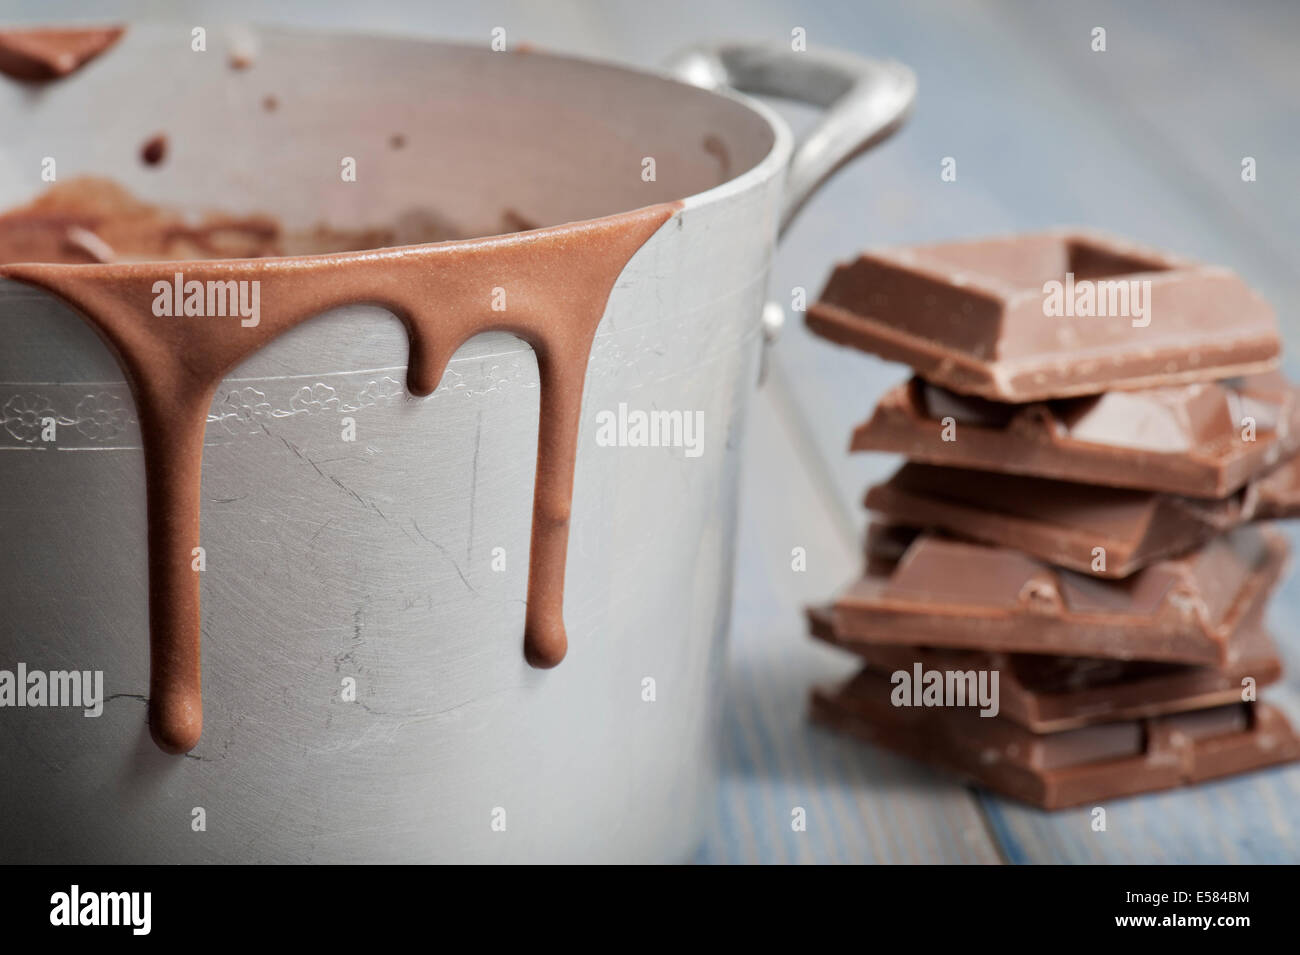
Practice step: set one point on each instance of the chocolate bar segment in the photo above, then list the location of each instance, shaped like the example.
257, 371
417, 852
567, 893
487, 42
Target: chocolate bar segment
1104, 531
1045, 316
1276, 495
1204, 440
950, 593
1070, 768
1048, 694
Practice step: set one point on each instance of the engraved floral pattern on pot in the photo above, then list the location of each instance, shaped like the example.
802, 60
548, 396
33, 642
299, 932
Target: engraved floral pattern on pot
319, 397
23, 414
102, 416
381, 392
240, 410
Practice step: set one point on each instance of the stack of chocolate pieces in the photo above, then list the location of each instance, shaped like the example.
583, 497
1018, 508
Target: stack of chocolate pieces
1094, 436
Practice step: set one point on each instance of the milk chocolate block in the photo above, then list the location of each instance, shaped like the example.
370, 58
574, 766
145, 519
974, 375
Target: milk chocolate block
1276, 495
1044, 316
1047, 694
1202, 440
949, 593
1105, 531
1070, 768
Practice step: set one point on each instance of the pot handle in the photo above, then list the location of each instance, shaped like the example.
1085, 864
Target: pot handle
866, 101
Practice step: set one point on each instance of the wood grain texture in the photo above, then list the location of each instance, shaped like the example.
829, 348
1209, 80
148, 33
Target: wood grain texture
862, 804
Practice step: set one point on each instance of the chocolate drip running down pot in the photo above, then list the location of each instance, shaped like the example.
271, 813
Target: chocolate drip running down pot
444, 295
373, 562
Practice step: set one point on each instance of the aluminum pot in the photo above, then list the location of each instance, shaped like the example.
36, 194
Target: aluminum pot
364, 691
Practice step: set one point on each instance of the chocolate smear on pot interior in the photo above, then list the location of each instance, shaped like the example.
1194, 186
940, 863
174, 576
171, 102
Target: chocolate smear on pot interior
48, 54
558, 280
154, 151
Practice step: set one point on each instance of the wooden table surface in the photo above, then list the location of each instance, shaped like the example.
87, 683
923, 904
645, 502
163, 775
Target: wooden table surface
1145, 140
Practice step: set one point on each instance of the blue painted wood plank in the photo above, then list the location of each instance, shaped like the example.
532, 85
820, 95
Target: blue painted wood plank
862, 805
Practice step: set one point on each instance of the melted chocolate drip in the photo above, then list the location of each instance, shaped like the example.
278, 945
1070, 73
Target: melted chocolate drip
556, 283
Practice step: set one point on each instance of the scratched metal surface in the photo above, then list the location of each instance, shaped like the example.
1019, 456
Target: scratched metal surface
1144, 140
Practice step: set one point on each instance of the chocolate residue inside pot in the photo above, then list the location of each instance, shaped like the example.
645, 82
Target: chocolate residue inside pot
53, 227
154, 151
